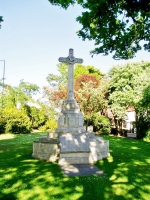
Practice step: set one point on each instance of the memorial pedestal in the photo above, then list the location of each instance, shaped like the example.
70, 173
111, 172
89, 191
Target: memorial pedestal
71, 144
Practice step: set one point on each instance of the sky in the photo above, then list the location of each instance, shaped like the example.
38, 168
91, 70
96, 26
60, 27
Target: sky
35, 34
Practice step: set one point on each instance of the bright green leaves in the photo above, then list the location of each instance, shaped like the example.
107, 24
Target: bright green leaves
129, 85
61, 79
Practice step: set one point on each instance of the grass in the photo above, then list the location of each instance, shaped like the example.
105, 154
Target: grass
25, 178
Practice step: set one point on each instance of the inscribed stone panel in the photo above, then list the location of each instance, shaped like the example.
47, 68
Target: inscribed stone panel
61, 120
73, 144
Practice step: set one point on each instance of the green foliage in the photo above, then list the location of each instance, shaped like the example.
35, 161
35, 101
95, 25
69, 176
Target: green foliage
1, 20
91, 99
18, 104
143, 122
2, 123
129, 86
9, 97
145, 101
21, 95
61, 80
28, 89
89, 70
126, 86
15, 121
59, 92
147, 137
37, 115
100, 123
114, 26
18, 98
50, 125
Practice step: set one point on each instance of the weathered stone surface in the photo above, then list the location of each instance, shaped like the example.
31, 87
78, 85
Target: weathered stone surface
70, 144
70, 118
46, 150
70, 121
81, 149
52, 136
75, 158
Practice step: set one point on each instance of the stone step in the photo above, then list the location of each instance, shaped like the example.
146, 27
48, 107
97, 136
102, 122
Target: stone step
131, 135
75, 158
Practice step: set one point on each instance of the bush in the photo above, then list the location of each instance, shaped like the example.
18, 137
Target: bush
16, 121
142, 124
100, 123
147, 137
37, 116
50, 125
2, 124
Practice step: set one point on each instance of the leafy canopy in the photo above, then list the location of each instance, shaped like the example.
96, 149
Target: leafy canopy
11, 96
79, 69
129, 85
116, 26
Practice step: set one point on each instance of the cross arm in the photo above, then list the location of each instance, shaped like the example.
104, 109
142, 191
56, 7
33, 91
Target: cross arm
70, 60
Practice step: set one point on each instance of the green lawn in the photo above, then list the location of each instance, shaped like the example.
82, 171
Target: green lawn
25, 178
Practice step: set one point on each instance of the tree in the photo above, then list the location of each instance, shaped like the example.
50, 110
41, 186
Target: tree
90, 94
129, 86
61, 79
58, 91
89, 70
79, 69
86, 78
145, 102
37, 115
114, 25
1, 20
12, 96
126, 85
28, 88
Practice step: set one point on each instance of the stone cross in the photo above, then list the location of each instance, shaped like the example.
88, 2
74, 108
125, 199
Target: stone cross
70, 60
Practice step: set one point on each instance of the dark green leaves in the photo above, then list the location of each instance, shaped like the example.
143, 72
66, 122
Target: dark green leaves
1, 20
116, 26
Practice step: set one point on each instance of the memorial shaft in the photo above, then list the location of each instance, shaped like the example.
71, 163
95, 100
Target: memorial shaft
70, 82
70, 60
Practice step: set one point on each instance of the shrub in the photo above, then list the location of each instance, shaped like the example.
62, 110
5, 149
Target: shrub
2, 124
16, 121
37, 116
50, 125
147, 137
100, 123
142, 124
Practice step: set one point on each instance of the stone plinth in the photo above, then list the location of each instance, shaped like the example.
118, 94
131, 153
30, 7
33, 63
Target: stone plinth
68, 148
46, 150
82, 149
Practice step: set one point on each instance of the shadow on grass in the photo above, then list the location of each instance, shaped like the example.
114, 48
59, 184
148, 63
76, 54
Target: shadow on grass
24, 178
127, 170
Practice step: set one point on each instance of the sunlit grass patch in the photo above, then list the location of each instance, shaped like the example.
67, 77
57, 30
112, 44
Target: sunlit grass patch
7, 136
25, 178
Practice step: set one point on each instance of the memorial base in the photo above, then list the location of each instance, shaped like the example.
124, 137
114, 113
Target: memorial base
67, 148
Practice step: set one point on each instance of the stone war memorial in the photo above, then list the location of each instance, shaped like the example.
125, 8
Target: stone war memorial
70, 143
